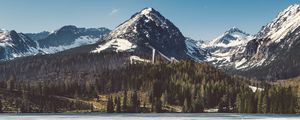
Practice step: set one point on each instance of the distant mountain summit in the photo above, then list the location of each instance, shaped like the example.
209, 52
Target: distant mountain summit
13, 44
147, 28
232, 36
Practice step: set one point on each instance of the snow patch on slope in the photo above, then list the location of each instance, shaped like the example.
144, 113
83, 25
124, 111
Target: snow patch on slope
82, 40
137, 58
239, 63
254, 89
4, 36
31, 51
120, 45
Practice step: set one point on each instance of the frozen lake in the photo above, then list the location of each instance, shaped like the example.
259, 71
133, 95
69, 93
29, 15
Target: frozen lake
165, 116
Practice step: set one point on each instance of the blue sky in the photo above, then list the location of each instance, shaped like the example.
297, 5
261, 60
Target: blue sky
199, 19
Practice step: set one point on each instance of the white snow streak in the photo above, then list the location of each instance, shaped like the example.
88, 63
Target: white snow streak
119, 45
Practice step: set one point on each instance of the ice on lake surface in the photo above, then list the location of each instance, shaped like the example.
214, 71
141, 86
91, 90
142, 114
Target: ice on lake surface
165, 116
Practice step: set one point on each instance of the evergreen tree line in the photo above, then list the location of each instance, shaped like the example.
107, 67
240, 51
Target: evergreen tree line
192, 86
127, 105
271, 100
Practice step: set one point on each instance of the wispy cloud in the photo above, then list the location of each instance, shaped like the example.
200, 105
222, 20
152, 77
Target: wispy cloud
114, 11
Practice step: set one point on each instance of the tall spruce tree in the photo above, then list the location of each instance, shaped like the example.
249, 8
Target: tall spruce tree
118, 105
185, 107
158, 106
259, 102
124, 107
1, 107
110, 105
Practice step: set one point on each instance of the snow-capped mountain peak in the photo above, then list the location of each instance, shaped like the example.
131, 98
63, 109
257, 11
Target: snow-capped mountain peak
285, 22
146, 11
231, 37
146, 28
146, 15
235, 30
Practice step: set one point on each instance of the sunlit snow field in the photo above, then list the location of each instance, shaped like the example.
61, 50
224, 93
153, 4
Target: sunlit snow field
168, 116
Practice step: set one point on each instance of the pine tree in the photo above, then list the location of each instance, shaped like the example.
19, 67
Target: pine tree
291, 105
110, 105
135, 102
185, 107
164, 98
124, 107
10, 84
259, 102
158, 106
223, 104
197, 105
92, 107
118, 104
239, 103
1, 107
265, 103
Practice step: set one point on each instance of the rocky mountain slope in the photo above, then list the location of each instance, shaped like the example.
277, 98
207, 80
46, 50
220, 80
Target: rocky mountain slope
13, 44
273, 52
278, 35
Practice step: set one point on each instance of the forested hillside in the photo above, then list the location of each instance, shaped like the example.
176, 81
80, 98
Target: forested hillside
55, 67
103, 82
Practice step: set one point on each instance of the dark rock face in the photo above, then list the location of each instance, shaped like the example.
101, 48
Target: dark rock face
2, 53
68, 34
250, 50
21, 42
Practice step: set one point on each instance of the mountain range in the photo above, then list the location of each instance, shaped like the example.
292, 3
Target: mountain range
14, 45
269, 54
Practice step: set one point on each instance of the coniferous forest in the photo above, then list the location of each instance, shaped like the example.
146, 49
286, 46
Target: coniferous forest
146, 63
108, 83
